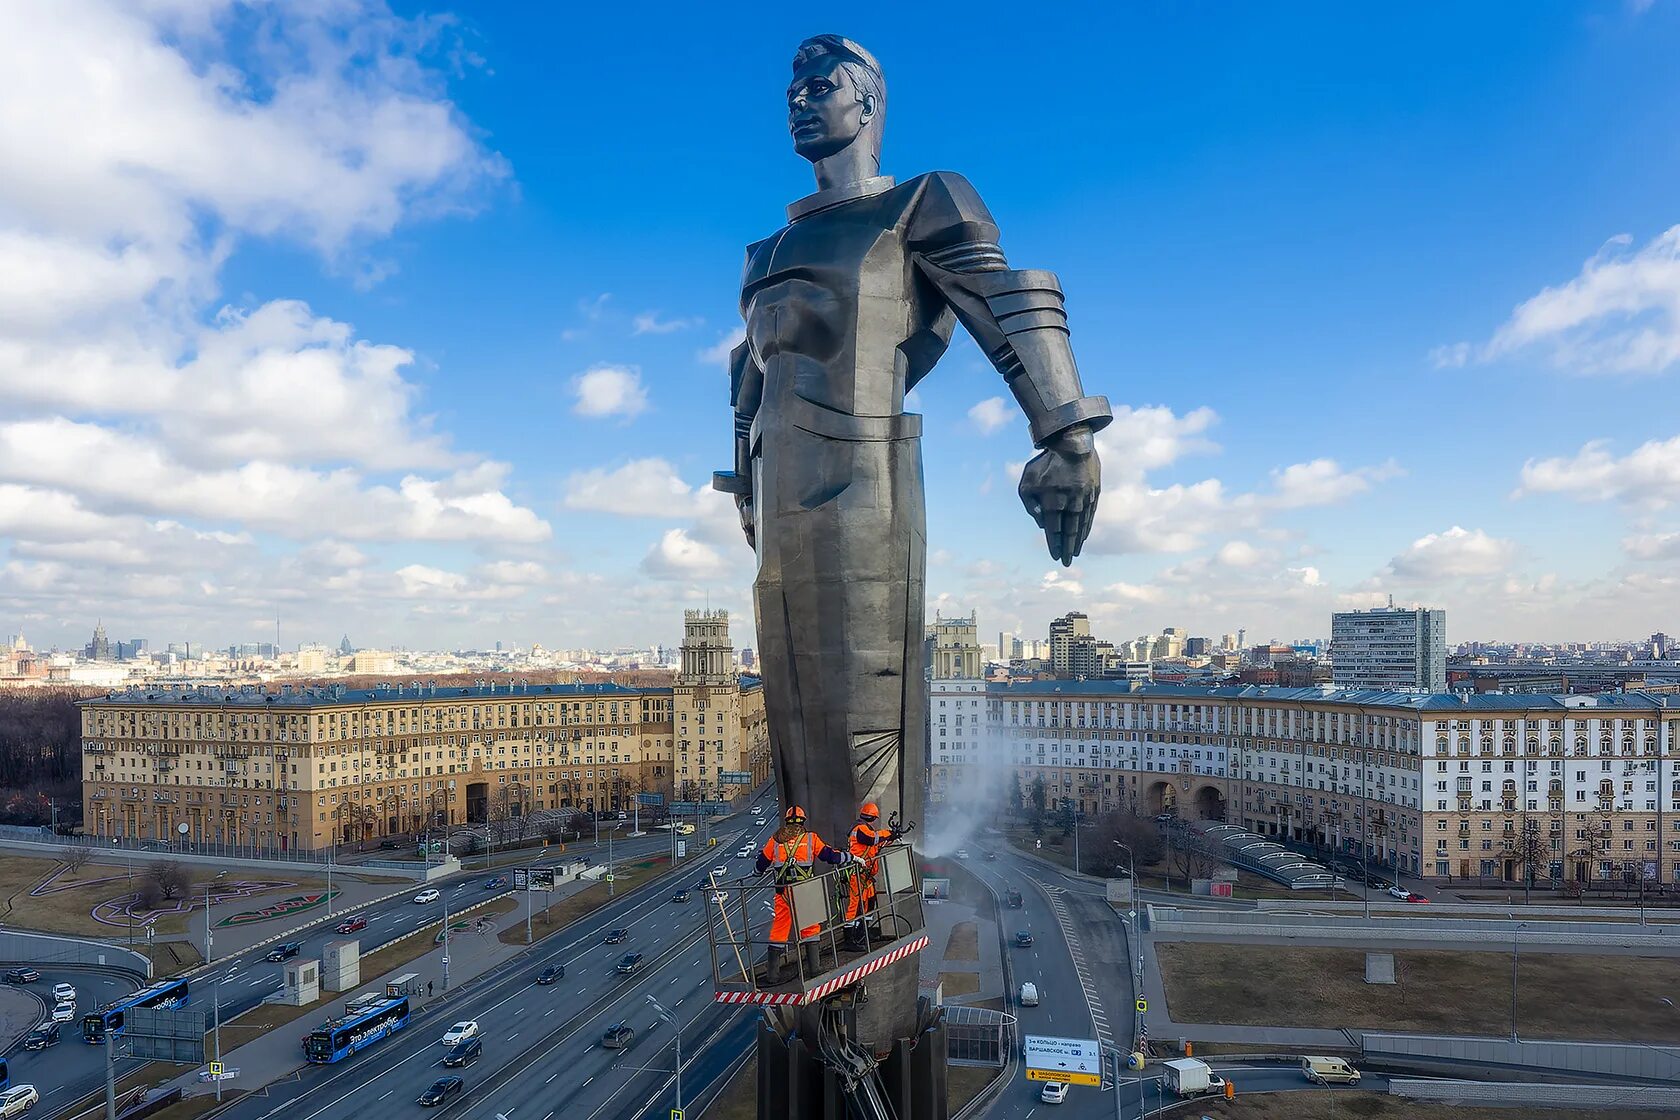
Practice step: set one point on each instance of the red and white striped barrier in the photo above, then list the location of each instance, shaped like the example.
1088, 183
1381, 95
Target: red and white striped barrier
828, 987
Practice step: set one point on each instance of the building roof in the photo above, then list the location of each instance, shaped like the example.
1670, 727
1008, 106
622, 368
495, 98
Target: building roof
1419, 702
316, 696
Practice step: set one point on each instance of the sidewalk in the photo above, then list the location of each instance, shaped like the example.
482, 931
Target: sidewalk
471, 954
940, 918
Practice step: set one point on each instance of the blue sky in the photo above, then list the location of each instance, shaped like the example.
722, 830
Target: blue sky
405, 322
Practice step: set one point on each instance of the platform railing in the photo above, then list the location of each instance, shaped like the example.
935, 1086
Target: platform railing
739, 913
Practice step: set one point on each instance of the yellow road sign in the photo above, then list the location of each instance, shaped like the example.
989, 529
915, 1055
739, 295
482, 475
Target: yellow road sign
1142, 1006
676, 1114
215, 1069
1092, 1079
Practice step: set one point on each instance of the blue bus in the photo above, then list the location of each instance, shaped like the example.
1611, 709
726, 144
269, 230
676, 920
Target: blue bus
164, 993
337, 1039
5, 1076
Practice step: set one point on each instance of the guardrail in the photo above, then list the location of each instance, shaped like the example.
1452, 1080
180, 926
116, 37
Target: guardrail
1603, 1059
1524, 913
1592, 1098
21, 947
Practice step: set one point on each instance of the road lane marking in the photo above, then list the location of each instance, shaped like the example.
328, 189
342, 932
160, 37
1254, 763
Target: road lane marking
387, 1093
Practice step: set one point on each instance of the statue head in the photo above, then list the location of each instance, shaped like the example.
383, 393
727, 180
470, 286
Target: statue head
838, 97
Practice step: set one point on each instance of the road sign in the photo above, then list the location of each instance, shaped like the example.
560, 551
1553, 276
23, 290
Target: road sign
650, 799
1142, 1006
736, 777
676, 1114
1077, 1061
215, 1069
683, 808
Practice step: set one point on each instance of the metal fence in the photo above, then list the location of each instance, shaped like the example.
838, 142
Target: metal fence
1319, 927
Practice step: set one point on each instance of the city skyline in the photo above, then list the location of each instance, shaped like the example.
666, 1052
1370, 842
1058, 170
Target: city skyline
431, 377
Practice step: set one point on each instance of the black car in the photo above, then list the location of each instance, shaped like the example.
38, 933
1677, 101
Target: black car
991, 857
1023, 937
441, 1090
388, 845
465, 1052
617, 1036
680, 896
1377, 884
629, 962
41, 1037
552, 973
284, 951
1013, 898
615, 936
21, 976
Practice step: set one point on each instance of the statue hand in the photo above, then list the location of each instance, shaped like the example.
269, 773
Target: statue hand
744, 506
1059, 487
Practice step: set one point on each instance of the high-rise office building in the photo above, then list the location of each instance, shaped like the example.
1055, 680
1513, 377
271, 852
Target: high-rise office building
1389, 648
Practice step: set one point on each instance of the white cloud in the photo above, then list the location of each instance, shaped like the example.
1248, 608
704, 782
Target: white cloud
991, 415
1144, 439
1062, 582
1619, 314
678, 555
1648, 475
649, 322
639, 488
609, 391
1653, 546
1308, 576
1134, 517
1322, 482
717, 354
1455, 553
1239, 554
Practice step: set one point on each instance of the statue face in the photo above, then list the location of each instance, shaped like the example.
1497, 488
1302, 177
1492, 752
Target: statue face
824, 113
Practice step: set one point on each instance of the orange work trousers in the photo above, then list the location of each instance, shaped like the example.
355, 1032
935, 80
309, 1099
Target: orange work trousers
781, 923
860, 894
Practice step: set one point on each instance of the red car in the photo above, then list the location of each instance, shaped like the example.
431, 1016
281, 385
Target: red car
351, 925
1416, 898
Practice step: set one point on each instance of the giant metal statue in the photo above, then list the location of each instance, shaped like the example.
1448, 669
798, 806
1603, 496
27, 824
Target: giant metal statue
847, 307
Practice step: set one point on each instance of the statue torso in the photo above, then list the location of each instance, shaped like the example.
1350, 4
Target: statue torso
831, 300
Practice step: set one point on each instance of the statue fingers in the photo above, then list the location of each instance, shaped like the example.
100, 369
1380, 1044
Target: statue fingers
1085, 527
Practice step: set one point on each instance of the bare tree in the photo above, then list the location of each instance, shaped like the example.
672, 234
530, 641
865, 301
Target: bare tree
1527, 848
169, 878
148, 895
1189, 856
1140, 836
77, 858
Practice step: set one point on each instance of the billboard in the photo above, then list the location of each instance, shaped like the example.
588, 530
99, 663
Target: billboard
1076, 1061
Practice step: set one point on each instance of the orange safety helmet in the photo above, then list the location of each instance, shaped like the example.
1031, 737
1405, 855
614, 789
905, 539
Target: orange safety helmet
795, 814
870, 811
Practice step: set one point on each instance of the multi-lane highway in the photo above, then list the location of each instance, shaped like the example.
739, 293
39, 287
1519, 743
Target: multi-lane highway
542, 1045
73, 1069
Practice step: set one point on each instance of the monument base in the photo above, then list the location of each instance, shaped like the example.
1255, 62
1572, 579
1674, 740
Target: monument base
794, 1084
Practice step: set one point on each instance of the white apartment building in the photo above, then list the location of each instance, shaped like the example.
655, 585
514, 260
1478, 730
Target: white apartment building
1391, 648
1438, 785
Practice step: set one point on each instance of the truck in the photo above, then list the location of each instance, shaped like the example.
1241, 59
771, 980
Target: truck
1192, 1077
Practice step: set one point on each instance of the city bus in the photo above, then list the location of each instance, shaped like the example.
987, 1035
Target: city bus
5, 1076
337, 1039
165, 993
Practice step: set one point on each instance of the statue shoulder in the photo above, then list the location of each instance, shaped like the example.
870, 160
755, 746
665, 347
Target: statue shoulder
948, 211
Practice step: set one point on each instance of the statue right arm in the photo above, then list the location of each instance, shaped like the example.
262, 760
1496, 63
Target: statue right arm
746, 390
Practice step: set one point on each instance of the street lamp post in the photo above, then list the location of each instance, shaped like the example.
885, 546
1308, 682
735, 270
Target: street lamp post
676, 1026
444, 894
216, 998
209, 933
1514, 931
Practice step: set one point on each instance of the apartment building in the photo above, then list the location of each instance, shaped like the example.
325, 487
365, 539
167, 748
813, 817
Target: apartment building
1389, 648
1437, 785
293, 768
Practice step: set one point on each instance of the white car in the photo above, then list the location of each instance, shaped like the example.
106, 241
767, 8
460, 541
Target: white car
460, 1032
64, 1013
720, 897
1055, 1092
1399, 892
426, 896
746, 852
962, 853
720, 872
64, 993
18, 1100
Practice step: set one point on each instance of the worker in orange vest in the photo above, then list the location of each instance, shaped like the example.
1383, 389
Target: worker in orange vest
792, 854
865, 842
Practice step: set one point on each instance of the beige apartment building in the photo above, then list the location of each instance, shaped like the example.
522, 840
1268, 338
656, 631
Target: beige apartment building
292, 768
1583, 788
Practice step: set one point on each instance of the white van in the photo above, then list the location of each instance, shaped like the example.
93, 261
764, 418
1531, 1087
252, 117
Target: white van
1029, 995
1328, 1071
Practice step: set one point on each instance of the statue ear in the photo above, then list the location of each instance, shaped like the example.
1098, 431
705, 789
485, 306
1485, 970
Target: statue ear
868, 107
